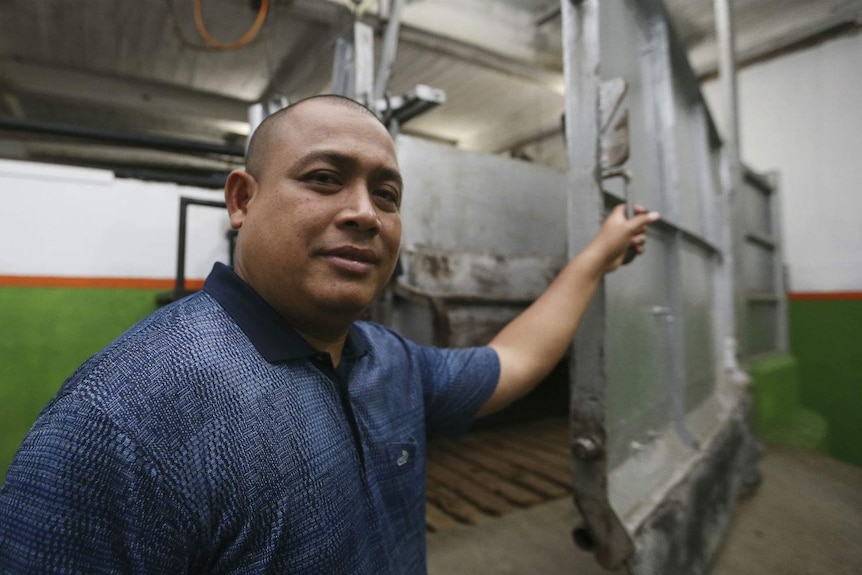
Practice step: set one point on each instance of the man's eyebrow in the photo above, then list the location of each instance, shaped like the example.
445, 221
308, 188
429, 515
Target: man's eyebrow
344, 160
392, 175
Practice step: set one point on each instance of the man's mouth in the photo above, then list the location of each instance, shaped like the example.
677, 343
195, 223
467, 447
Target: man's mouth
352, 259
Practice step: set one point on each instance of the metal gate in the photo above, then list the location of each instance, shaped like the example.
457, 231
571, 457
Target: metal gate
660, 434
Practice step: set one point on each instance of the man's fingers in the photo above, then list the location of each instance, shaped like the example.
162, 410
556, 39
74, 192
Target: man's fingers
643, 219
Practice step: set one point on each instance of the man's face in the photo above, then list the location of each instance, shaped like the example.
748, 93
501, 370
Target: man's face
322, 230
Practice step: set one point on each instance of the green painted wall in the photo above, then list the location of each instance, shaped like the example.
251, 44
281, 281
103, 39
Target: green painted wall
45, 334
826, 339
779, 413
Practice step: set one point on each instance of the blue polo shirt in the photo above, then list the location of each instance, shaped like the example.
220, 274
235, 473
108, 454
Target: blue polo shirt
211, 438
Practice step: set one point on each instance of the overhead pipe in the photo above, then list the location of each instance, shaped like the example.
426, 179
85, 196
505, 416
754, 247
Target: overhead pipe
144, 141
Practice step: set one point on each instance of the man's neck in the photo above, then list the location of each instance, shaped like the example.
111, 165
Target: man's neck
334, 346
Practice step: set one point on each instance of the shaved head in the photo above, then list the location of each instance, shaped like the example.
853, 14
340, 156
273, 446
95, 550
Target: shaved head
256, 155
318, 213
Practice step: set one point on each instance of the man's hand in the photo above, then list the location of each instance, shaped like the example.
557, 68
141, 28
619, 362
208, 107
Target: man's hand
617, 234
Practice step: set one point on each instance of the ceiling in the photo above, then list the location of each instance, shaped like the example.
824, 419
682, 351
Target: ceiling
132, 86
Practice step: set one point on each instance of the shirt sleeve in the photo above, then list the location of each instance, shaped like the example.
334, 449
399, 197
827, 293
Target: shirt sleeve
458, 383
81, 497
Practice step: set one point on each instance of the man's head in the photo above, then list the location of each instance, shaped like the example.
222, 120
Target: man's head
317, 210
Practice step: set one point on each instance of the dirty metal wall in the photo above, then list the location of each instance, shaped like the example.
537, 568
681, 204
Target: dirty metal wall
483, 236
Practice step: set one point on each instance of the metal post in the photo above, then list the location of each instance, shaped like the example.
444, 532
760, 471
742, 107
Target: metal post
603, 532
732, 301
390, 47
260, 111
363, 50
782, 337
353, 68
727, 73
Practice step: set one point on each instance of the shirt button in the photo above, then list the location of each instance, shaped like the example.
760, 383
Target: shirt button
404, 458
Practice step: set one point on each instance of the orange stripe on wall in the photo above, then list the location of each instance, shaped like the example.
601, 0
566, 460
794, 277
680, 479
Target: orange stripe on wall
98, 283
828, 295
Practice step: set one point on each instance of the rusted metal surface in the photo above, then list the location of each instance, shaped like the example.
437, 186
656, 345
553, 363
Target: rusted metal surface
471, 297
480, 277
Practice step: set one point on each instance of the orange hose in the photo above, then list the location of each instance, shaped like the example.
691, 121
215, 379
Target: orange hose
246, 38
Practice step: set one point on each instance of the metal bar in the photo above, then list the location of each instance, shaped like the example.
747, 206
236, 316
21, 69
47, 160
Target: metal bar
690, 237
674, 327
180, 284
757, 180
549, 14
668, 225
363, 63
604, 532
185, 202
782, 335
390, 48
731, 304
762, 297
761, 240
144, 141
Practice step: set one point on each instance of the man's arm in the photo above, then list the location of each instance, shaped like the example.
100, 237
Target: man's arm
534, 342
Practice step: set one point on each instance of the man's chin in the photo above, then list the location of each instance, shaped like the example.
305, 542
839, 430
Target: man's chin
351, 305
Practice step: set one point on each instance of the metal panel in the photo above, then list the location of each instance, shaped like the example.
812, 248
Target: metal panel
761, 276
459, 201
638, 396
483, 237
625, 54
758, 218
700, 330
757, 262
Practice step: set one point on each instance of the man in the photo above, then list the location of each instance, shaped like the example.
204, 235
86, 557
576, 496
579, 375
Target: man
257, 426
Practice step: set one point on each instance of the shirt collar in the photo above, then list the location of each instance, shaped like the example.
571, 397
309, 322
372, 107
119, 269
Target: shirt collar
273, 338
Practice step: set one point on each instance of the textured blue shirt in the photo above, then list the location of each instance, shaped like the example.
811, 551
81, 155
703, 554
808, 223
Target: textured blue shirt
211, 438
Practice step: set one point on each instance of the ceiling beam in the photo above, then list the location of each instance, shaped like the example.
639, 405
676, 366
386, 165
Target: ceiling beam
503, 43
757, 46
19, 78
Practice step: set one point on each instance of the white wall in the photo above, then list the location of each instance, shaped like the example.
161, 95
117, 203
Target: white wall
77, 222
801, 114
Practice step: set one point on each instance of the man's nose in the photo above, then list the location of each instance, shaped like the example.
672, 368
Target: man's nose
358, 210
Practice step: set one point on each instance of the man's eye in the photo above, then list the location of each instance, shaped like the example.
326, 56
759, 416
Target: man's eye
323, 178
388, 197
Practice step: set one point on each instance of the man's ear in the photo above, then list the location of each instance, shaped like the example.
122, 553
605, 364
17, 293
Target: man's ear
239, 189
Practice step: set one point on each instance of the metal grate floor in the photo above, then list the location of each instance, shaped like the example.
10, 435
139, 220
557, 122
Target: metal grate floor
489, 473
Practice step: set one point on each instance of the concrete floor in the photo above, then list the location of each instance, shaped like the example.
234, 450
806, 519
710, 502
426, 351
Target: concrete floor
805, 519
